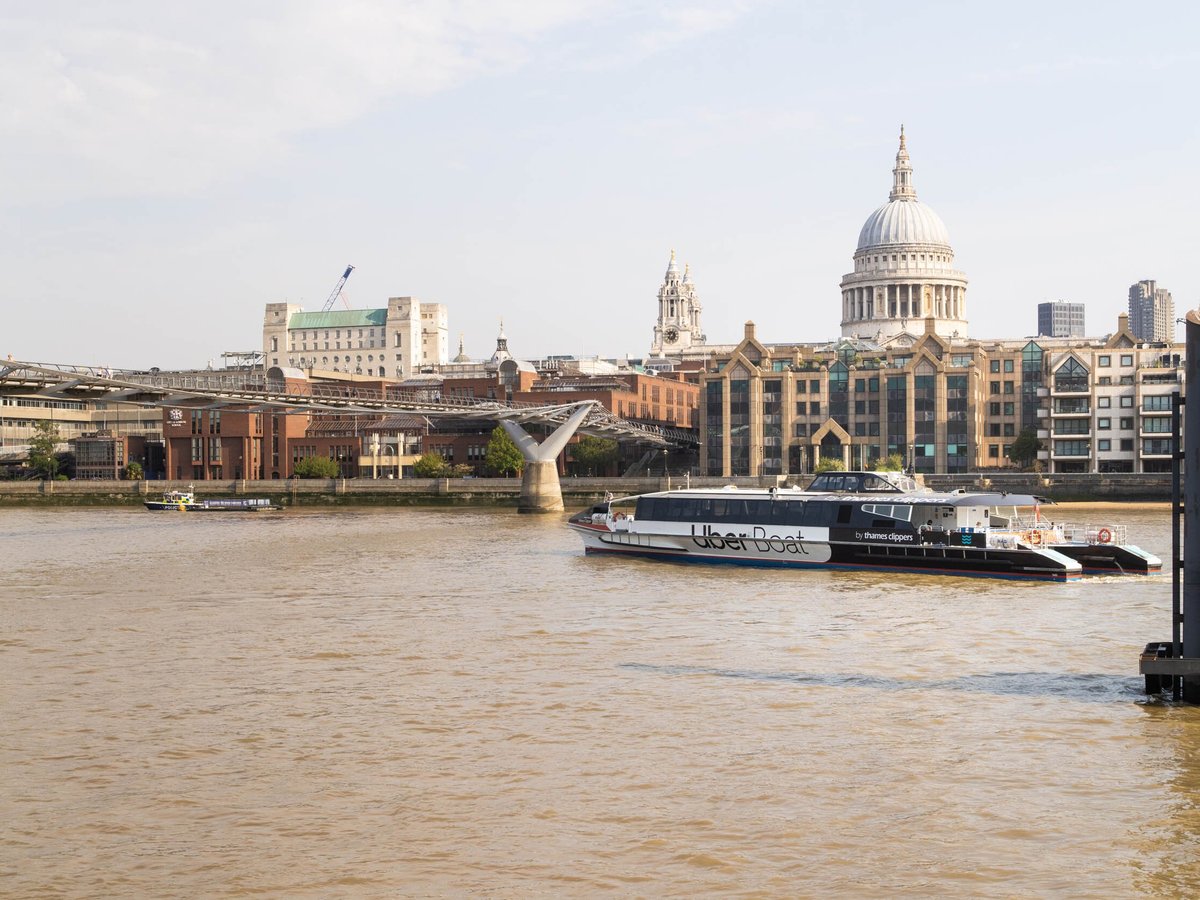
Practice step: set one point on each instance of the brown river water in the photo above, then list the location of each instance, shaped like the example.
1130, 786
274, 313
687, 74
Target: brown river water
420, 702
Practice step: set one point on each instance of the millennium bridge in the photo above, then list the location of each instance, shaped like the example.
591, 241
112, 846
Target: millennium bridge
256, 390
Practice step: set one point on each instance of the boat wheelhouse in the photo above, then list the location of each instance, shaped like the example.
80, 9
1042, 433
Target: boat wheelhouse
1099, 547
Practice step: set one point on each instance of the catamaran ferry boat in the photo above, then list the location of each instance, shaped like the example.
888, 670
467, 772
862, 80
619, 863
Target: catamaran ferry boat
860, 520
185, 501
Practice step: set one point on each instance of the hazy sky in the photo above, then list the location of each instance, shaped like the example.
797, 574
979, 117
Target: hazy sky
167, 169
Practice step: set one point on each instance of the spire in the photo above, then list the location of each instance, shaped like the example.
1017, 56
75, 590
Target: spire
902, 183
687, 273
462, 356
501, 346
672, 269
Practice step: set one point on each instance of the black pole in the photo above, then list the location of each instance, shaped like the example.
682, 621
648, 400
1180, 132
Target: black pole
1190, 612
1176, 526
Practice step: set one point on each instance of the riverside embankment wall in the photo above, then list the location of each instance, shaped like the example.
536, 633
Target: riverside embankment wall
506, 491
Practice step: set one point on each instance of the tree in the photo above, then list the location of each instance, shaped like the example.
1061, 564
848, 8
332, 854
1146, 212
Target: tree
431, 465
593, 453
503, 457
133, 471
892, 463
315, 467
830, 464
1024, 450
42, 456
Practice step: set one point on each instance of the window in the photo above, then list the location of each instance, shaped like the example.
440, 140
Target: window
1103, 444
1104, 362
1103, 402
1009, 366
1009, 429
1103, 424
994, 451
1126, 424
1008, 387
1158, 402
994, 386
1127, 444
994, 430
1127, 359
993, 409
814, 409
1009, 409
1105, 380
994, 366
1126, 402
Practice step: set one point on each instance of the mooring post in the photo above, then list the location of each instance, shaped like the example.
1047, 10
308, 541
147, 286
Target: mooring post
1191, 508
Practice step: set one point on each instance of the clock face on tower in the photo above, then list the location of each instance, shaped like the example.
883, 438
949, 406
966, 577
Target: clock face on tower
670, 335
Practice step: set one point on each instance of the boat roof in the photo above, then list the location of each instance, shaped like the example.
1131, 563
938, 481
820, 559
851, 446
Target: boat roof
925, 498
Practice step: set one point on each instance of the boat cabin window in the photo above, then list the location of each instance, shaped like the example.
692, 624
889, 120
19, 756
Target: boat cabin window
853, 482
903, 512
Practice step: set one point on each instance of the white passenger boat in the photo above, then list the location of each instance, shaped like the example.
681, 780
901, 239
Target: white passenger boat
856, 520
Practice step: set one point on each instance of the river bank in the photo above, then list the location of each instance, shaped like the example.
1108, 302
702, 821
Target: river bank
506, 491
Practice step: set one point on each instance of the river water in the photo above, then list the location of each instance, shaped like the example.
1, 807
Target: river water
419, 702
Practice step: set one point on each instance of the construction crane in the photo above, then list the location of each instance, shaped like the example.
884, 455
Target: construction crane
337, 290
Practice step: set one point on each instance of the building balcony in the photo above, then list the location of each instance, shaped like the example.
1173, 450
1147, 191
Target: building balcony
1043, 392
1054, 454
1043, 434
1072, 435
1152, 435
1075, 390
1146, 411
1067, 411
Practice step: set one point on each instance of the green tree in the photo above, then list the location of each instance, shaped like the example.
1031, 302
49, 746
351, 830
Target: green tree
133, 471
42, 456
593, 453
830, 464
431, 465
1024, 450
892, 463
315, 467
503, 457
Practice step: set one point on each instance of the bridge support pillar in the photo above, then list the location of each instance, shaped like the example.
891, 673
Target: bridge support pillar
541, 491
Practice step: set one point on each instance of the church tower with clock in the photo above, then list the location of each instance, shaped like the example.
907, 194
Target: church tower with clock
678, 327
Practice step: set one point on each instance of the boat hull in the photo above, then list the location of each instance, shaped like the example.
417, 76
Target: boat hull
793, 552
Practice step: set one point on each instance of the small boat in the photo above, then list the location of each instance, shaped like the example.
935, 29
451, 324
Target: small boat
185, 501
854, 520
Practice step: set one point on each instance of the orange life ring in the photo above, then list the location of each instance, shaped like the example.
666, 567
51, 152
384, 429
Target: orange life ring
1104, 536
619, 516
1035, 537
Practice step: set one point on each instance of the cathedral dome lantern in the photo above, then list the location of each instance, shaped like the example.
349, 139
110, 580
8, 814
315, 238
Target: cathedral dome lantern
904, 272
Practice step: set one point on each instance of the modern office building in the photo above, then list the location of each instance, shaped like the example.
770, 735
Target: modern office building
1151, 312
1061, 318
393, 342
1101, 405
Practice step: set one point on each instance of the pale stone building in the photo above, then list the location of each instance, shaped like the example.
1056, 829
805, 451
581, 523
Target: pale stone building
677, 331
903, 269
393, 342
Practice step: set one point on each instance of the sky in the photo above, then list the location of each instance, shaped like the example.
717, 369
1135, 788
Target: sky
168, 169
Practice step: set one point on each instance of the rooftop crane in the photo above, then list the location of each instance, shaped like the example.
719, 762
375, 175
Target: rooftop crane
337, 290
